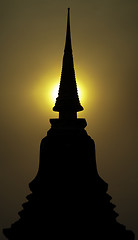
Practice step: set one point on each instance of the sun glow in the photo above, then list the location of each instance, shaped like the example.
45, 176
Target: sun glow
45, 92
54, 92
55, 89
79, 92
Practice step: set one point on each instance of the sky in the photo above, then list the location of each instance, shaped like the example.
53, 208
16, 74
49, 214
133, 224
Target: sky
104, 41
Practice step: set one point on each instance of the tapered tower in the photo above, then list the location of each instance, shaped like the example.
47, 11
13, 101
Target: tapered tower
68, 198
67, 102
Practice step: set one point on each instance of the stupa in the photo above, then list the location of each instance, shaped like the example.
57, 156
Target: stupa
68, 198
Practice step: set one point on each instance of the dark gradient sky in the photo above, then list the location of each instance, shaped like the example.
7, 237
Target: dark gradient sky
104, 39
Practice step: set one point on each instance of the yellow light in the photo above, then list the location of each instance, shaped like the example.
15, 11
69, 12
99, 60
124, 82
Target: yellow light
54, 92
45, 92
79, 92
55, 89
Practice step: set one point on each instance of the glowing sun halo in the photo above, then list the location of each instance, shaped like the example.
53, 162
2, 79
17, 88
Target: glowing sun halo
54, 92
55, 89
47, 92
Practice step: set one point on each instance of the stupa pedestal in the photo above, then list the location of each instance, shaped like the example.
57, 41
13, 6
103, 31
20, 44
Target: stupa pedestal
69, 199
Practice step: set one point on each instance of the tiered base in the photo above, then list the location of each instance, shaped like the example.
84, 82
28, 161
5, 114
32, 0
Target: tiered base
69, 200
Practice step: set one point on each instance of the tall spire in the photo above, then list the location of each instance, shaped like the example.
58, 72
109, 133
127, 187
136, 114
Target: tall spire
67, 102
68, 46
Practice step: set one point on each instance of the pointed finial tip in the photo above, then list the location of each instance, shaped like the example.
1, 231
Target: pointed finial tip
68, 14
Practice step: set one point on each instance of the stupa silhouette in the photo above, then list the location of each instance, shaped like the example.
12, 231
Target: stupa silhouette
69, 199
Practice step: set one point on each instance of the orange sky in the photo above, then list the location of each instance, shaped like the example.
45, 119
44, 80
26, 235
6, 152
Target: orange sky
104, 41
